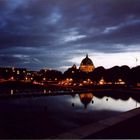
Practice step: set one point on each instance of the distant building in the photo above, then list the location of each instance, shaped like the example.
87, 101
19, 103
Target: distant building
50, 75
87, 65
12, 73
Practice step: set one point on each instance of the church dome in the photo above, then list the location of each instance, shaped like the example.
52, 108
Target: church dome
87, 65
87, 61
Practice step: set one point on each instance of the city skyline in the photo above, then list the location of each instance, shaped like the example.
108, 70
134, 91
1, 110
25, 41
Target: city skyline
59, 33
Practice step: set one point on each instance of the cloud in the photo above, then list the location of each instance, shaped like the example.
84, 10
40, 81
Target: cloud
51, 32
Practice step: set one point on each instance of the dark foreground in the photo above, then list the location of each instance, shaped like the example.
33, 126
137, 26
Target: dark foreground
126, 125
127, 129
47, 116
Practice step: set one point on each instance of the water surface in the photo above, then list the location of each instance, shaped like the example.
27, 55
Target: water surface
46, 116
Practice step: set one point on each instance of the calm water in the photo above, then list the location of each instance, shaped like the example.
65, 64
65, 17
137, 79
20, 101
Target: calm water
46, 116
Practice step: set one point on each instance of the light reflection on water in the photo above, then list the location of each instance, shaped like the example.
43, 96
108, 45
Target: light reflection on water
93, 103
56, 114
87, 101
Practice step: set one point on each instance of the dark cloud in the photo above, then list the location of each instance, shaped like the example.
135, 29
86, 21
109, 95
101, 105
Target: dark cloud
39, 33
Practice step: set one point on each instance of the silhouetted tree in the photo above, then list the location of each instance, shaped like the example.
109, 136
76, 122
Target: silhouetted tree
125, 74
135, 75
113, 74
98, 73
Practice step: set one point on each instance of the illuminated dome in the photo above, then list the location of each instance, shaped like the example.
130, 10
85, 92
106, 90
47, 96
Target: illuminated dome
87, 65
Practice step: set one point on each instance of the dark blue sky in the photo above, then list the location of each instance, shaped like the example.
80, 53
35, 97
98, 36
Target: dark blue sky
58, 33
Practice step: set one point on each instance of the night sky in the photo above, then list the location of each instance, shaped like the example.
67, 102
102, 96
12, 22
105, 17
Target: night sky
59, 33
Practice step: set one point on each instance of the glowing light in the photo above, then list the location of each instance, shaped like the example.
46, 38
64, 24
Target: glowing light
12, 91
74, 84
13, 69
70, 79
44, 91
72, 71
12, 78
18, 72
120, 81
101, 82
80, 84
